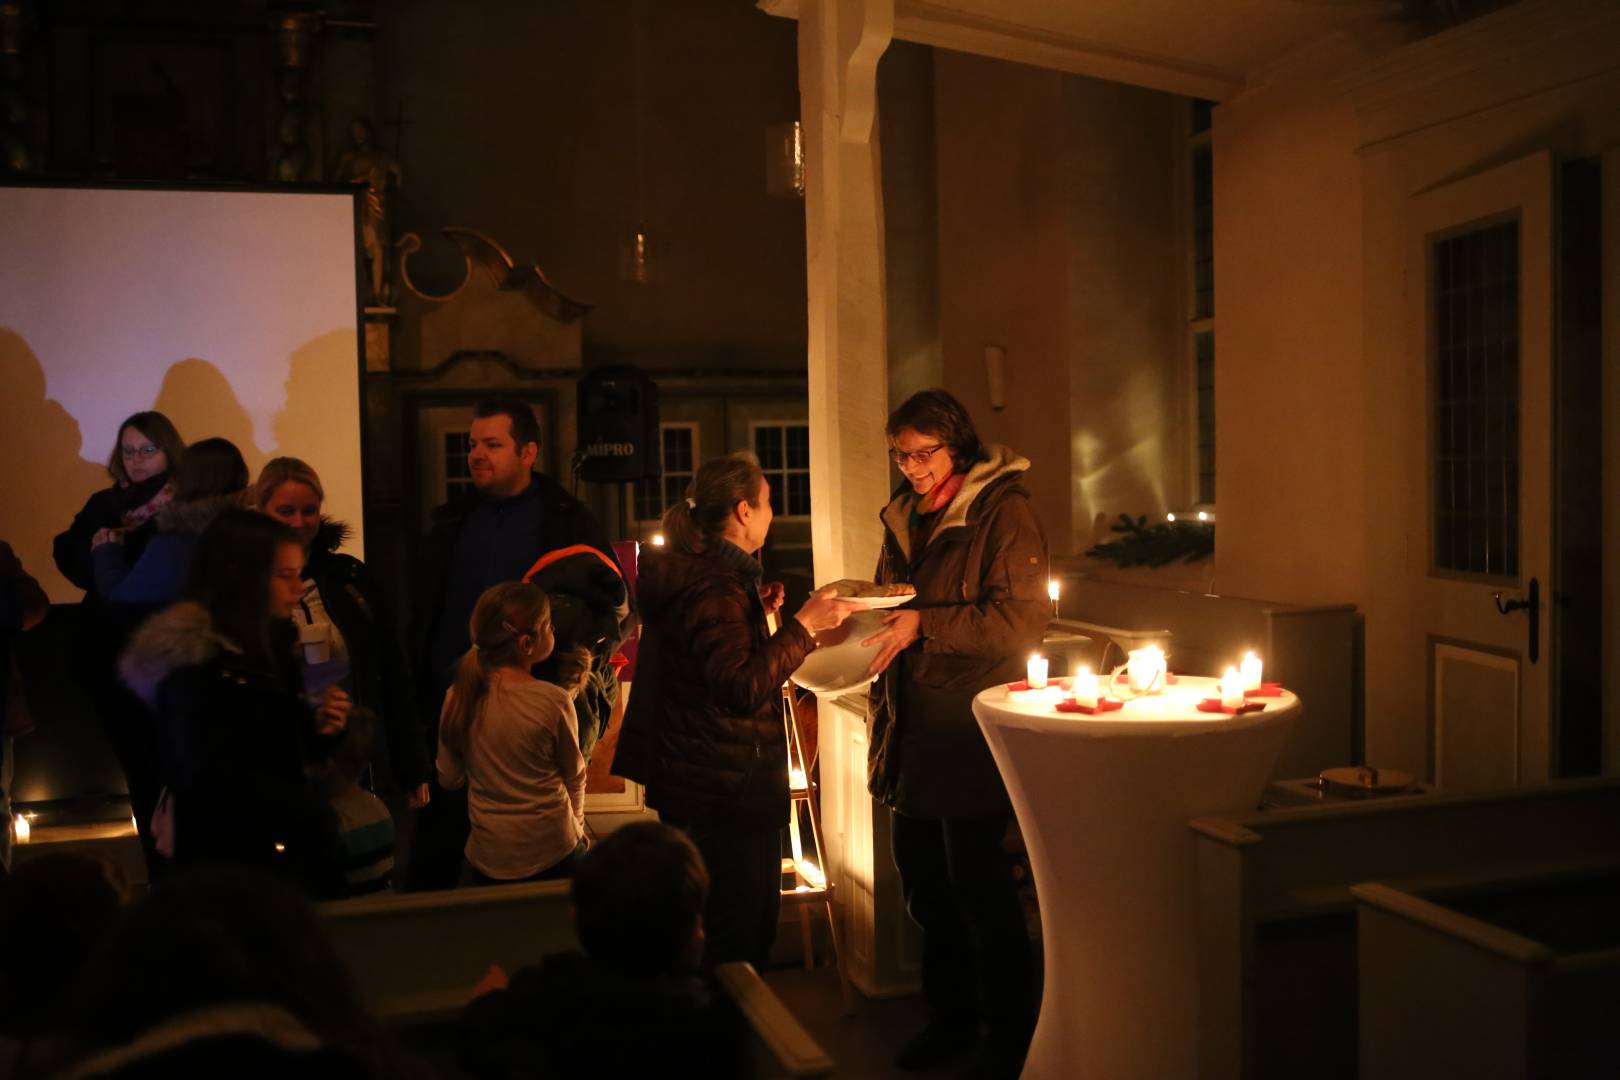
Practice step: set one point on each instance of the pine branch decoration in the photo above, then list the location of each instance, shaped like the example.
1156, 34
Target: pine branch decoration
1159, 544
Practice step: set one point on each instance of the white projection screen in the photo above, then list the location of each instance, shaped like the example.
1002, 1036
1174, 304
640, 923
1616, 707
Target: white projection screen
232, 312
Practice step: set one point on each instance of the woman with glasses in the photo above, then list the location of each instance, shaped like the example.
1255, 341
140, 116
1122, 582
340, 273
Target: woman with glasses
141, 466
960, 529
209, 480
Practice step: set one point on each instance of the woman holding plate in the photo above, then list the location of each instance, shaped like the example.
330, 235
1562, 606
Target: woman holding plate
962, 531
703, 729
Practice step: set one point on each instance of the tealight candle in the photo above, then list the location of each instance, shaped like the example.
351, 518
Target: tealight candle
1251, 671
1144, 669
1085, 688
1232, 688
1037, 671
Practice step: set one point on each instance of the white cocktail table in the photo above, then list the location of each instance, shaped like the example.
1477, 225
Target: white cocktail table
1103, 802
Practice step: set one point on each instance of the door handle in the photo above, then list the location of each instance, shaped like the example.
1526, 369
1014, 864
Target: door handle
1530, 603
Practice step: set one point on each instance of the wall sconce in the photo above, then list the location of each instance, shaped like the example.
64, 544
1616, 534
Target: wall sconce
995, 373
784, 160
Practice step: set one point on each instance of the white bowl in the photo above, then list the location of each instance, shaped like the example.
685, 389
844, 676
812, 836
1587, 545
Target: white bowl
840, 663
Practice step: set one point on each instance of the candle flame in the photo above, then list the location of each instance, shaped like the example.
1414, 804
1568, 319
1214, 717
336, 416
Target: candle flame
658, 539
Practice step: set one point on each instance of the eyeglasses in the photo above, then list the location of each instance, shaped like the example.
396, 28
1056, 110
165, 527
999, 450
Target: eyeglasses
916, 457
139, 451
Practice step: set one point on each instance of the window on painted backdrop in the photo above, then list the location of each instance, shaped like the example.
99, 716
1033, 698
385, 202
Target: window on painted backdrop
678, 460
783, 449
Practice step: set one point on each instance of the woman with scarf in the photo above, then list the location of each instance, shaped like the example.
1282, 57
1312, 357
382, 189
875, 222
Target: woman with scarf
961, 530
141, 463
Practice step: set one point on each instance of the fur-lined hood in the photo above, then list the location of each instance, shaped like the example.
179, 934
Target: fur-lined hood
195, 515
1001, 463
331, 535
181, 635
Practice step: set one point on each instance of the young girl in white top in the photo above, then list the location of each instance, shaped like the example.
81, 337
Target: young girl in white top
514, 741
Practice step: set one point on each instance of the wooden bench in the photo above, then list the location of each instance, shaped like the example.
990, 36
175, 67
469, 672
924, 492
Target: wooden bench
1449, 992
417, 956
1277, 919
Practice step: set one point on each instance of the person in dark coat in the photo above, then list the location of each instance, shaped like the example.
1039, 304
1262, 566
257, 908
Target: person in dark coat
961, 530
499, 532
703, 729
633, 1002
141, 466
346, 623
235, 737
209, 479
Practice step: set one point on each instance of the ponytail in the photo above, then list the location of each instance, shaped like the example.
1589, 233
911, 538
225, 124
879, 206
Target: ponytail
503, 614
720, 484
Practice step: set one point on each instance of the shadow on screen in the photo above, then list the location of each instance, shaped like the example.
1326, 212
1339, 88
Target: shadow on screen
194, 388
310, 424
47, 475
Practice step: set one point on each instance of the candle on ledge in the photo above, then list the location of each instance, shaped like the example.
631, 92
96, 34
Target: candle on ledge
1232, 688
1052, 589
1085, 688
1251, 671
1037, 671
21, 829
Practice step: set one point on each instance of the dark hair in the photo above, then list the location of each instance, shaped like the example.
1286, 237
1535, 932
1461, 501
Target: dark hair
936, 412
215, 936
155, 426
230, 576
638, 898
210, 467
61, 907
525, 428
720, 484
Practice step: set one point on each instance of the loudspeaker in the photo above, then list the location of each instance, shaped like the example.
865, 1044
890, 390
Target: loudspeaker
618, 425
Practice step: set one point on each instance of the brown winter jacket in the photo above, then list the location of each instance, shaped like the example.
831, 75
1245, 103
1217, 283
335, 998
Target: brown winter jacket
981, 590
703, 730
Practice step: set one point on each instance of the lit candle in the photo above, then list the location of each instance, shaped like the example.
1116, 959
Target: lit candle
658, 539
1251, 671
1145, 670
1037, 671
21, 828
1052, 590
1085, 688
1232, 688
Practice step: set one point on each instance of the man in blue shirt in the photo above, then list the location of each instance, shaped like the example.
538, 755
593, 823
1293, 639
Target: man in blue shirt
513, 520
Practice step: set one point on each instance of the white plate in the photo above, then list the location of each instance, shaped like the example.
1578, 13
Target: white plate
873, 602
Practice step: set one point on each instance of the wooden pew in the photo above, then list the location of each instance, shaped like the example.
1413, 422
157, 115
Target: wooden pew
1277, 944
417, 956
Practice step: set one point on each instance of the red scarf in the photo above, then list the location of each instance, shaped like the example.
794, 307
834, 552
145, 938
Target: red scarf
923, 514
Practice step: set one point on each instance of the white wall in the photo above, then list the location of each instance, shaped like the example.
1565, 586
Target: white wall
232, 312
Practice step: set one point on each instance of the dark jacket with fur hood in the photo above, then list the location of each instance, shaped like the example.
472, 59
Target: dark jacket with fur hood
381, 678
703, 730
234, 738
981, 590
160, 573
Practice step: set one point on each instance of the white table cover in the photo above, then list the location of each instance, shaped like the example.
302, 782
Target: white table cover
1103, 803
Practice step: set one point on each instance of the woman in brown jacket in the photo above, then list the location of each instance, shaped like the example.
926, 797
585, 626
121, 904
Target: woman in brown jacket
703, 730
962, 531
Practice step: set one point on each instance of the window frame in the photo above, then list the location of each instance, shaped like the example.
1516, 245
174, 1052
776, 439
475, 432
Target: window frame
784, 471
697, 458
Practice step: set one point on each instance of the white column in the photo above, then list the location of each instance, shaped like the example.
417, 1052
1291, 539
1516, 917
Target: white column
840, 42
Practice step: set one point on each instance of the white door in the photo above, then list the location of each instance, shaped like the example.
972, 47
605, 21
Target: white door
1480, 306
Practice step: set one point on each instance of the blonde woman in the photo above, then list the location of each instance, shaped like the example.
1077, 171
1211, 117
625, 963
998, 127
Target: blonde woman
513, 741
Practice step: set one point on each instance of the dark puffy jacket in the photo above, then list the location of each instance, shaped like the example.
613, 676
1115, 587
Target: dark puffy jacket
235, 739
981, 590
703, 730
381, 678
